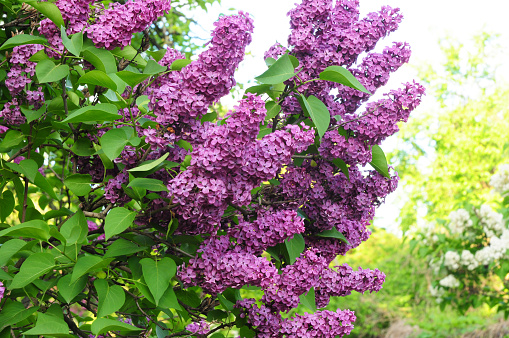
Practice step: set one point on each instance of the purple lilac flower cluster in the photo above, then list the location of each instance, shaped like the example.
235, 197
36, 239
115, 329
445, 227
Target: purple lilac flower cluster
201, 327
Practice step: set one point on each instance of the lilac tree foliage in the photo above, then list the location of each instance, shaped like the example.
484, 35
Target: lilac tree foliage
155, 216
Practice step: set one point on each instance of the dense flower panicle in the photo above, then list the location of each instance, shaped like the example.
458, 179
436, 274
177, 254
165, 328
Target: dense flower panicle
449, 282
115, 27
324, 324
269, 229
2, 290
201, 327
452, 260
459, 221
345, 280
207, 79
500, 181
75, 13
491, 221
266, 321
11, 113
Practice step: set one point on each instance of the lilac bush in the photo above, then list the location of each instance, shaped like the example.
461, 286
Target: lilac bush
155, 216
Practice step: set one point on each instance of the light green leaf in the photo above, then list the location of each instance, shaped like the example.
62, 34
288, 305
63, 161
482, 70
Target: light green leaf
38, 56
42, 183
157, 55
9, 249
14, 313
122, 247
379, 162
79, 184
117, 220
101, 59
113, 142
111, 298
153, 68
47, 71
294, 247
23, 39
32, 268
158, 275
103, 325
169, 300
148, 183
308, 299
75, 229
32, 115
131, 78
49, 325
91, 114
318, 112
11, 140
49, 10
341, 75
70, 290
88, 264
333, 233
98, 78
74, 44
179, 64
26, 167
130, 54
280, 71
273, 110
32, 229
148, 165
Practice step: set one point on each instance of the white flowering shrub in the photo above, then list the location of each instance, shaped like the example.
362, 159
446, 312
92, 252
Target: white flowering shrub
468, 255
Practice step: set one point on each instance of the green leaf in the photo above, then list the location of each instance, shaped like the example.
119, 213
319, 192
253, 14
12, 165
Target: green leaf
9, 249
169, 300
209, 117
273, 110
131, 78
49, 326
6, 205
42, 183
11, 140
280, 71
103, 325
38, 56
32, 115
157, 55
47, 71
270, 61
294, 247
26, 167
32, 229
98, 78
23, 39
379, 162
148, 183
79, 184
318, 112
113, 142
149, 165
33, 267
179, 64
117, 220
70, 290
75, 229
158, 275
153, 68
225, 303
122, 247
91, 114
246, 332
341, 75
14, 313
308, 299
82, 147
74, 44
129, 53
88, 264
343, 166
188, 297
49, 10
111, 298
101, 59
333, 233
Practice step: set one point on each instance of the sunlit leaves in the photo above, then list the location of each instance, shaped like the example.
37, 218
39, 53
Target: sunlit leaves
280, 71
47, 71
341, 75
318, 112
379, 162
117, 220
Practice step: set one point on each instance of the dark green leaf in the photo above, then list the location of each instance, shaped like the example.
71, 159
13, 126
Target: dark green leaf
91, 114
273, 110
70, 290
294, 247
49, 10
47, 71
98, 78
158, 275
103, 325
33, 267
318, 112
83, 147
42, 183
14, 313
179, 64
148, 183
101, 59
32, 115
379, 162
341, 75
26, 167
131, 78
11, 140
79, 184
111, 298
88, 264
246, 332
129, 53
23, 39
225, 303
188, 297
308, 299
117, 220
280, 71
49, 326
343, 166
149, 165
6, 205
333, 233
9, 249
75, 229
74, 44
32, 229
122, 247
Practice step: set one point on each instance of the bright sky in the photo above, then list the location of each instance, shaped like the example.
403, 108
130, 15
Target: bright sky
425, 22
